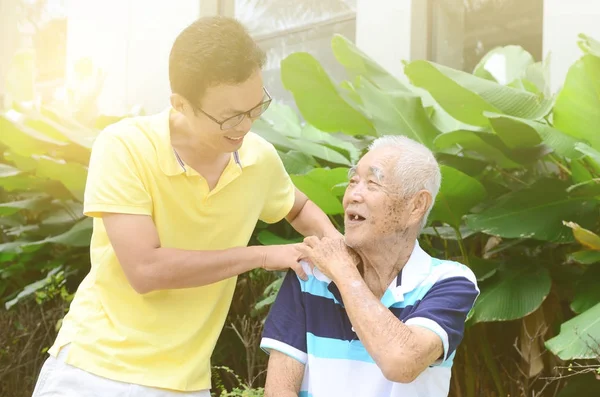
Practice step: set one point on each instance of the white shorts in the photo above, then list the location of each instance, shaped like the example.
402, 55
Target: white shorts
58, 379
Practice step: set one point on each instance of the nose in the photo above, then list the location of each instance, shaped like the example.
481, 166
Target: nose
354, 194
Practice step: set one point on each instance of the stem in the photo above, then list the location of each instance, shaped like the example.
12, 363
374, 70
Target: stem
469, 371
491, 363
560, 164
461, 245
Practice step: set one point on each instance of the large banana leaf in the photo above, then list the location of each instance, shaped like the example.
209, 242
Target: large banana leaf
357, 63
578, 337
514, 58
458, 194
24, 140
521, 133
587, 293
536, 212
397, 113
71, 175
478, 145
318, 98
467, 97
318, 185
513, 293
577, 108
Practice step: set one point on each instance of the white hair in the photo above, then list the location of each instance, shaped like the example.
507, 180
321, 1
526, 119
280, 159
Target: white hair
416, 168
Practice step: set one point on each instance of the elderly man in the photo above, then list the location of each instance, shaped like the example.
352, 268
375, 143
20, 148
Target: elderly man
378, 316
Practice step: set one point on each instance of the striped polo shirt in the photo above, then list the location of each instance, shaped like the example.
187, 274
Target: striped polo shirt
308, 322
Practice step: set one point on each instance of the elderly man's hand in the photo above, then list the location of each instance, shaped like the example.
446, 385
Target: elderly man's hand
329, 255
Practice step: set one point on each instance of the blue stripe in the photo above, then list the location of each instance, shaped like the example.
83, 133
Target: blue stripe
337, 349
327, 319
316, 288
304, 394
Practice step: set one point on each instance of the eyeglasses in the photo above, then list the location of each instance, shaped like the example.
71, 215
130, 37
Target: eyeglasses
234, 121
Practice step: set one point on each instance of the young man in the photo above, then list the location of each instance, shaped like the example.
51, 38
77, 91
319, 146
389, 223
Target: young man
382, 318
175, 198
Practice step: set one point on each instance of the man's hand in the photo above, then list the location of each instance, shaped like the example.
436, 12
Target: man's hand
283, 257
329, 254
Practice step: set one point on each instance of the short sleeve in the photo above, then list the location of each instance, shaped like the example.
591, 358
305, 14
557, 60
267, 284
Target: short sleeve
113, 182
285, 327
281, 194
444, 309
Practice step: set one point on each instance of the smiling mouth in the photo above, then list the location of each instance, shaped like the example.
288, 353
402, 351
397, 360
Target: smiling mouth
235, 139
355, 218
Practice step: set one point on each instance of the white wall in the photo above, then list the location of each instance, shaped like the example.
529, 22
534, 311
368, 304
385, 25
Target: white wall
383, 31
563, 21
130, 40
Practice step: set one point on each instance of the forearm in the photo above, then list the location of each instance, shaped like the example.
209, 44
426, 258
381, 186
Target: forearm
170, 268
312, 221
377, 328
284, 376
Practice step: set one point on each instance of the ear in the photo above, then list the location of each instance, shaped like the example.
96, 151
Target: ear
179, 103
420, 204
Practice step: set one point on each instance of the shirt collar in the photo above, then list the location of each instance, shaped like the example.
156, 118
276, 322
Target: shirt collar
414, 272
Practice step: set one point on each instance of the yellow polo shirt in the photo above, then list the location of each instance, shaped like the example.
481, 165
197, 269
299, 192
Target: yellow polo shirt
165, 338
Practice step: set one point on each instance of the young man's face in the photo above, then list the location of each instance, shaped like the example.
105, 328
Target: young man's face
226, 104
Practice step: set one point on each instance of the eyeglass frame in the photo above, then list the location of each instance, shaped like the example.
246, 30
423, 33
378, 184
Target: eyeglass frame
245, 114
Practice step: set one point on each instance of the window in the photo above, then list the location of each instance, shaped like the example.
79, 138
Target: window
282, 27
461, 32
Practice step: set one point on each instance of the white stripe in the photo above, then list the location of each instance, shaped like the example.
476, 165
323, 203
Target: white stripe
432, 326
268, 344
336, 377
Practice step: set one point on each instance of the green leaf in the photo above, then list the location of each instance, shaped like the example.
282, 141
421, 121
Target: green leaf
284, 119
29, 204
32, 288
585, 237
478, 143
458, 194
448, 232
8, 171
577, 108
514, 59
579, 172
483, 268
397, 113
592, 153
297, 162
521, 133
587, 293
71, 175
318, 98
585, 385
578, 337
357, 63
266, 237
536, 212
318, 185
78, 236
585, 257
515, 293
310, 133
466, 97
23, 140
589, 45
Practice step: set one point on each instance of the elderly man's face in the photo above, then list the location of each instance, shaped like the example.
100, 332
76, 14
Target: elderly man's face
374, 208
